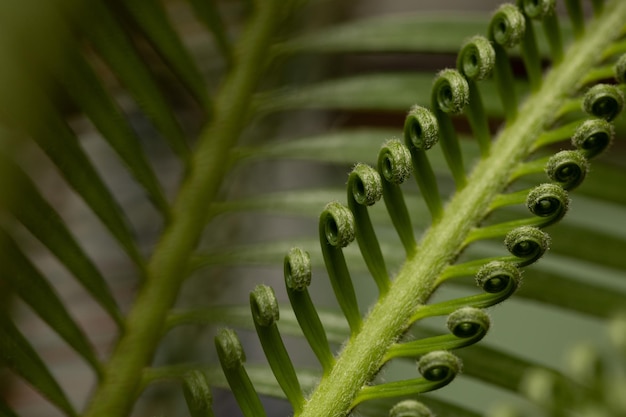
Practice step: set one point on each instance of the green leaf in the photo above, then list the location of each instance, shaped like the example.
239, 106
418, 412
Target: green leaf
207, 13
109, 38
380, 92
18, 354
89, 94
34, 212
33, 288
62, 147
152, 19
407, 32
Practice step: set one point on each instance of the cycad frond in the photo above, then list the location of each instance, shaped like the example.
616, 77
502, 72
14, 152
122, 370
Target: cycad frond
475, 209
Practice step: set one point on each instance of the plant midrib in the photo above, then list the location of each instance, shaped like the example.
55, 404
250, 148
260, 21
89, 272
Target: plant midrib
361, 357
168, 266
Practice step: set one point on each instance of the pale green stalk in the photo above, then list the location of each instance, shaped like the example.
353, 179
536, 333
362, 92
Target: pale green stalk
169, 263
415, 282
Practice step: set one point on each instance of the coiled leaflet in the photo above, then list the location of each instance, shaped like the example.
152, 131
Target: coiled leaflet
476, 59
297, 269
264, 306
527, 243
567, 168
548, 200
337, 230
537, 9
365, 185
604, 101
421, 129
265, 313
468, 322
337, 225
394, 166
232, 357
394, 162
197, 394
507, 26
438, 369
450, 91
498, 276
449, 96
364, 189
593, 136
619, 69
467, 325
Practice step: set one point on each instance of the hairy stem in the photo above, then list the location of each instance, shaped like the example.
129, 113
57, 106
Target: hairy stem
415, 282
168, 265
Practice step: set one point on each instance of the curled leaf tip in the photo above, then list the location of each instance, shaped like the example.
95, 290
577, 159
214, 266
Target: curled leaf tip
264, 305
439, 366
593, 136
507, 26
477, 58
410, 408
451, 91
338, 223
468, 321
620, 69
548, 200
567, 168
605, 101
229, 349
528, 243
297, 268
421, 129
365, 184
394, 161
496, 276
538, 9
197, 394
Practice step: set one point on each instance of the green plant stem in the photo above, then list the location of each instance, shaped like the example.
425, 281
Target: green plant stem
415, 282
169, 263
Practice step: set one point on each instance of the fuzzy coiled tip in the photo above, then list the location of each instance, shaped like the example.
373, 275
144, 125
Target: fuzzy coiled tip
394, 162
496, 276
538, 9
264, 306
421, 129
229, 349
365, 184
410, 408
439, 366
567, 168
593, 137
619, 69
476, 59
528, 243
338, 223
451, 91
548, 200
605, 101
468, 322
507, 26
297, 268
197, 393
